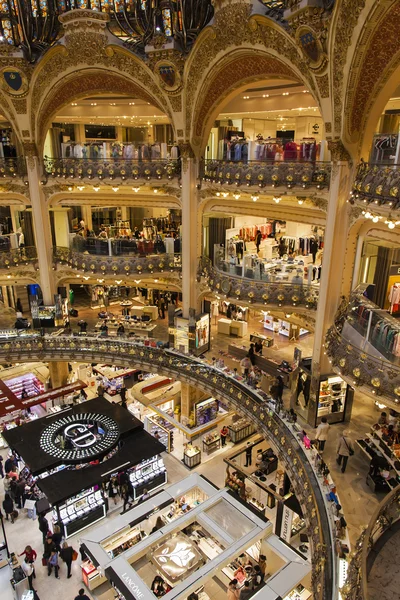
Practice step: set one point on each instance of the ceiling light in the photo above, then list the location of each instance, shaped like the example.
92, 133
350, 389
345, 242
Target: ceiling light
155, 190
368, 215
115, 189
391, 225
300, 201
225, 194
265, 95
236, 196
70, 188
136, 189
81, 187
277, 199
96, 188
254, 198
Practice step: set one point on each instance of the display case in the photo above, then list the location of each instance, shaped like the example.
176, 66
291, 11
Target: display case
80, 511
91, 577
298, 593
206, 411
333, 396
211, 442
191, 456
240, 430
122, 540
150, 474
164, 429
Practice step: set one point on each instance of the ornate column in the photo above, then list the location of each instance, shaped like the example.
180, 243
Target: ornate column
41, 222
58, 373
337, 224
189, 229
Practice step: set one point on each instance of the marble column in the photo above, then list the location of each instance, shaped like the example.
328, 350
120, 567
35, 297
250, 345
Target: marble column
336, 231
41, 222
189, 233
58, 374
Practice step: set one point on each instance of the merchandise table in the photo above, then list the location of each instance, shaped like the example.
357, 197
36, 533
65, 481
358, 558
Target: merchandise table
210, 446
240, 430
231, 327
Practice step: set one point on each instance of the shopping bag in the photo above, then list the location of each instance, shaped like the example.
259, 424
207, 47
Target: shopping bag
74, 555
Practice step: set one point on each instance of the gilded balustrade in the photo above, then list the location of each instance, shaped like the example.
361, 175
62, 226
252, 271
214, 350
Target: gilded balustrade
275, 174
253, 405
117, 265
280, 294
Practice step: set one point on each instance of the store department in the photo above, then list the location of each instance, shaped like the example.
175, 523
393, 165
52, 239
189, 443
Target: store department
71, 456
266, 249
123, 231
188, 538
193, 436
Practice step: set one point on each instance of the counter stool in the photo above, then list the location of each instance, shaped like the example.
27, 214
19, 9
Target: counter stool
279, 476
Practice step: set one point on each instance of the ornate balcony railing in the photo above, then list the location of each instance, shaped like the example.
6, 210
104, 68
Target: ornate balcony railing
18, 257
307, 486
276, 174
12, 167
378, 184
351, 348
117, 265
385, 516
111, 168
257, 292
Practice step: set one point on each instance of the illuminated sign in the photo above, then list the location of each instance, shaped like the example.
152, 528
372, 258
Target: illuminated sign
79, 436
177, 557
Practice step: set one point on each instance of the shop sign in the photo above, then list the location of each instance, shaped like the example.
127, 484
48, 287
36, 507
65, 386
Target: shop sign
79, 436
287, 518
394, 270
134, 588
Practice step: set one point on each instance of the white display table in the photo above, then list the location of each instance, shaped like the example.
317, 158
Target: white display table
230, 327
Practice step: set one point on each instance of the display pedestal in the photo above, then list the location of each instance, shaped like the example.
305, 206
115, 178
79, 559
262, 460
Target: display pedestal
192, 460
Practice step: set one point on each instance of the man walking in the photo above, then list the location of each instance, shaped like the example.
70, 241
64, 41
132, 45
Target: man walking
344, 450
249, 450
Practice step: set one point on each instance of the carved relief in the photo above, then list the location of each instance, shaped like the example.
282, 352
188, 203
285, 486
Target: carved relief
348, 13
25, 133
233, 27
20, 105
323, 85
381, 57
338, 151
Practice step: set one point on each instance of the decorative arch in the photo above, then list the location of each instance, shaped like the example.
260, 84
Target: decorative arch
93, 81
228, 78
373, 66
237, 31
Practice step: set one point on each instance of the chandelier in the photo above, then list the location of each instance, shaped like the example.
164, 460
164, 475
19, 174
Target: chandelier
33, 25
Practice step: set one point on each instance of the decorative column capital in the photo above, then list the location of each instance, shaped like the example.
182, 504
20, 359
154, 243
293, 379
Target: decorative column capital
338, 151
187, 152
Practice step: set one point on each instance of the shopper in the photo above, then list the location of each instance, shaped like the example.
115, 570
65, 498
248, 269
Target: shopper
28, 569
20, 493
7, 483
122, 393
280, 386
383, 420
258, 347
13, 488
223, 434
159, 524
145, 496
233, 592
322, 433
157, 586
43, 526
262, 563
8, 507
282, 248
252, 355
125, 495
249, 450
67, 554
246, 591
57, 537
344, 450
30, 554
1, 466
11, 464
53, 562
245, 363
113, 489
257, 577
120, 330
81, 595
258, 240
